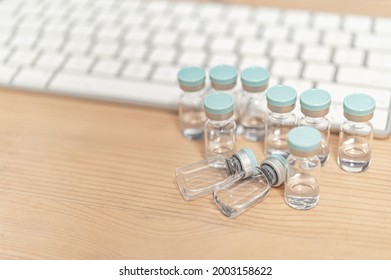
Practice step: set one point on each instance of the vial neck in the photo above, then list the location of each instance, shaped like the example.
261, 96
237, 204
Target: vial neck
220, 122
313, 120
358, 125
234, 166
280, 115
269, 173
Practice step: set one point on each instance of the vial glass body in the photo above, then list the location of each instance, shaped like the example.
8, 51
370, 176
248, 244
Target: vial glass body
242, 195
203, 177
322, 124
355, 146
302, 181
277, 128
220, 137
252, 111
191, 114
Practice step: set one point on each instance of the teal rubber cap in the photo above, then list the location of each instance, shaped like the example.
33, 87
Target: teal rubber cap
223, 74
304, 139
191, 76
253, 159
281, 96
280, 158
315, 99
218, 103
359, 104
255, 76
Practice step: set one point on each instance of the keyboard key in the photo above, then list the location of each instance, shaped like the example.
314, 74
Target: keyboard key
283, 50
319, 72
76, 46
7, 72
237, 12
134, 51
23, 40
316, 54
373, 42
188, 58
107, 67
337, 38
306, 36
286, 68
327, 21
137, 35
210, 10
32, 77
120, 90
267, 15
50, 43
253, 47
379, 60
216, 27
249, 61
166, 74
364, 77
51, 61
296, 17
222, 58
245, 30
82, 30
186, 25
22, 57
193, 41
357, 23
165, 38
383, 25
137, 70
4, 53
109, 33
223, 45
299, 85
339, 92
104, 49
349, 57
79, 63
275, 33
162, 55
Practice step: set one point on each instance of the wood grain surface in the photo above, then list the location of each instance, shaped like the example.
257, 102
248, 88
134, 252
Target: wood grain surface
82, 179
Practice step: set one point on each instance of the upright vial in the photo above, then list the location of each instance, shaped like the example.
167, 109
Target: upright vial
220, 137
356, 133
245, 193
191, 111
203, 177
302, 168
280, 119
252, 103
223, 79
315, 105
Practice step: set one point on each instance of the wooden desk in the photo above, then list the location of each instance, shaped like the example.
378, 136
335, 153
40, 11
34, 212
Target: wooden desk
91, 180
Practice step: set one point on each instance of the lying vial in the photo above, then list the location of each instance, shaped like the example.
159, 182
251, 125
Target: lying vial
280, 120
252, 103
220, 127
356, 133
203, 177
190, 107
245, 193
302, 168
315, 105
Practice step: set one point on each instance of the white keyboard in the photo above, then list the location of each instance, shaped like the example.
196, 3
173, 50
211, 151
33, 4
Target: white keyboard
130, 51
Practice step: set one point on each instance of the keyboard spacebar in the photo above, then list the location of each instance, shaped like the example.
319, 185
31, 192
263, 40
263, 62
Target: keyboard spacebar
143, 93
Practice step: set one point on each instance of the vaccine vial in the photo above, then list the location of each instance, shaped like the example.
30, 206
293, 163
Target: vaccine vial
252, 103
356, 133
203, 177
245, 193
302, 168
280, 119
191, 111
220, 137
223, 79
315, 105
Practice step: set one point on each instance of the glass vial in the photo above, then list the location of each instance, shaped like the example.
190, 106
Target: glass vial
223, 79
315, 105
191, 111
302, 168
203, 177
280, 119
220, 138
244, 194
252, 103
356, 133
